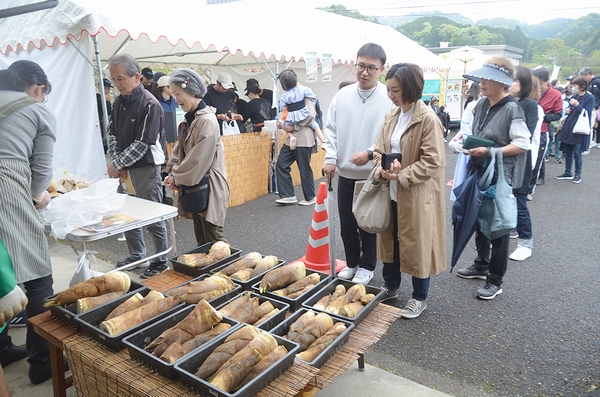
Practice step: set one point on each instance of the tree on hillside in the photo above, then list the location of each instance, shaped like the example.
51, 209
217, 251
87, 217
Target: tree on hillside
341, 10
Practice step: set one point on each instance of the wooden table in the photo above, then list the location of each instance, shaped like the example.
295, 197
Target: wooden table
98, 370
55, 332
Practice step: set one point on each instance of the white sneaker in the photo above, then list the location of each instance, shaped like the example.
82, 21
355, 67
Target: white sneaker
585, 153
347, 273
286, 200
413, 308
521, 253
308, 202
362, 276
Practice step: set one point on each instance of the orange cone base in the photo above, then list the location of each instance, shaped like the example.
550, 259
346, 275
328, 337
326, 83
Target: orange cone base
323, 267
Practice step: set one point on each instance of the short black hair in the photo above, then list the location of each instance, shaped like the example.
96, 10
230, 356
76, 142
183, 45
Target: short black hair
31, 74
411, 80
372, 50
288, 79
10, 81
542, 73
253, 88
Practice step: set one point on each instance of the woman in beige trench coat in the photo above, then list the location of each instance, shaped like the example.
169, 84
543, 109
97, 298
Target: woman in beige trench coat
199, 149
415, 241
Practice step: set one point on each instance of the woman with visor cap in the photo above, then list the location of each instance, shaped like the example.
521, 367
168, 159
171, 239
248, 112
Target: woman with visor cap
497, 117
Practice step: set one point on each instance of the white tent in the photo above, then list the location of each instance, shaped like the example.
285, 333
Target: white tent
249, 38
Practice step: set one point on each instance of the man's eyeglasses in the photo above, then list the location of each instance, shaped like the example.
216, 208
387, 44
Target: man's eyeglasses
370, 69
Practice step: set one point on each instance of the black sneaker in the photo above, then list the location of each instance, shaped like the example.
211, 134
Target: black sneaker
564, 176
472, 272
12, 355
576, 179
154, 269
489, 291
128, 261
388, 294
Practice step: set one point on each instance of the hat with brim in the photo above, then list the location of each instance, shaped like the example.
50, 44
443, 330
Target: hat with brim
490, 71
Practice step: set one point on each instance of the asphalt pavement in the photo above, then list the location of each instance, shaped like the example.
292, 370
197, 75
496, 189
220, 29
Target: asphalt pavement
541, 337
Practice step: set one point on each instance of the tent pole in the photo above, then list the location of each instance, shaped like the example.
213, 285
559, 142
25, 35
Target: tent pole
277, 143
101, 89
80, 53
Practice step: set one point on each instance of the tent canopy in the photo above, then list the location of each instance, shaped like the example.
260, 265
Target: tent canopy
185, 33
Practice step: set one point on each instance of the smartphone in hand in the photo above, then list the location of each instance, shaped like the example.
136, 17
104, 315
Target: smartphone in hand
388, 158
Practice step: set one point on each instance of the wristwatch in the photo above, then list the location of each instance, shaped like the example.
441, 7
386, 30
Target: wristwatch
370, 154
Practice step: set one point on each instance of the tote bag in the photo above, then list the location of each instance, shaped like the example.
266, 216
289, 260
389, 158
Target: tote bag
582, 125
498, 212
371, 205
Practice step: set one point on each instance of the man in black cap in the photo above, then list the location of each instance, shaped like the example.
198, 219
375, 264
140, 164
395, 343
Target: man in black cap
264, 94
147, 75
107, 86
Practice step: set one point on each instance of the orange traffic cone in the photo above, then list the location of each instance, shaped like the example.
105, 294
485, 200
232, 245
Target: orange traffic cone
317, 251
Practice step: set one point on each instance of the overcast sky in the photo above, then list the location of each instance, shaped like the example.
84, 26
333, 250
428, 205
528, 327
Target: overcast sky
530, 11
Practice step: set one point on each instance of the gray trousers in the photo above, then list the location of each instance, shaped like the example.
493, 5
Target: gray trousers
148, 185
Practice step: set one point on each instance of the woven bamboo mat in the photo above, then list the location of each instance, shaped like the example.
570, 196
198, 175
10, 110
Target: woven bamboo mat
166, 280
367, 333
100, 372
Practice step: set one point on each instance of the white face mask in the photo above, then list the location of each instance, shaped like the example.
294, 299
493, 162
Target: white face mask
575, 91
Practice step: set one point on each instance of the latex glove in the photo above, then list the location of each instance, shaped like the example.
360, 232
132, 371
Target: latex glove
12, 304
42, 200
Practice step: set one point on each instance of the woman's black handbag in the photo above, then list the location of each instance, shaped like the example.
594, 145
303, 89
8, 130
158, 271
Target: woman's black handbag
195, 198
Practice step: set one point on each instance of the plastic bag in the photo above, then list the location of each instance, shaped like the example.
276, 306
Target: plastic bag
84, 272
66, 182
82, 207
230, 127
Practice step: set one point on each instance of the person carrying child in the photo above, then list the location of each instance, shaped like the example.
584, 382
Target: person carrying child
292, 105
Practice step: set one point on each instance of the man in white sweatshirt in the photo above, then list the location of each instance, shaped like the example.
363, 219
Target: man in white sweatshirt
354, 122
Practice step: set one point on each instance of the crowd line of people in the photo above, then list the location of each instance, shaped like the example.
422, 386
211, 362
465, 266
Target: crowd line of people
518, 109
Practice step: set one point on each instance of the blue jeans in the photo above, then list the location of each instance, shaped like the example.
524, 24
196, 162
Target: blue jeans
571, 151
523, 217
391, 271
287, 156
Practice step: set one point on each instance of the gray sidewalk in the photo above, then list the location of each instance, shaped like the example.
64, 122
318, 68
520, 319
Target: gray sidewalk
371, 382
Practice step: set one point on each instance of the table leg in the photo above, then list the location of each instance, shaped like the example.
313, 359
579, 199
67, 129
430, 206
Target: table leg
361, 362
59, 384
4, 390
173, 239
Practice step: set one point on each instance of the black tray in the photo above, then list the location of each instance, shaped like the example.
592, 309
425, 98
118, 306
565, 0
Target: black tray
272, 321
247, 285
194, 271
219, 299
136, 342
296, 304
378, 292
90, 321
188, 366
68, 313
283, 328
